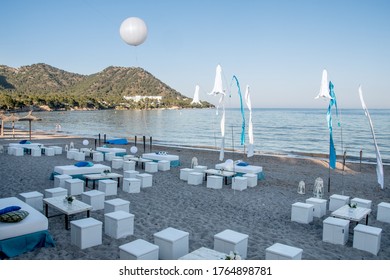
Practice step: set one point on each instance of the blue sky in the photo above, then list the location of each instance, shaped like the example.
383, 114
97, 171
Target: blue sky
279, 48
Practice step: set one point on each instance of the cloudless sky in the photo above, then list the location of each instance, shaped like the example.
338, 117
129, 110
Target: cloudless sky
279, 48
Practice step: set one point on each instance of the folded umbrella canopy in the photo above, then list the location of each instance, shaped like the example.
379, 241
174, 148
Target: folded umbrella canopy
30, 118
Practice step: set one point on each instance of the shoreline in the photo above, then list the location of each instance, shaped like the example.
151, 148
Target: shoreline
263, 212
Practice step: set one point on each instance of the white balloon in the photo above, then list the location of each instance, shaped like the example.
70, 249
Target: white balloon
133, 149
85, 142
133, 31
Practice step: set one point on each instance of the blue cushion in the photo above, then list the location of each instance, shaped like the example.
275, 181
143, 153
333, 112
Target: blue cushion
9, 209
242, 164
83, 164
24, 142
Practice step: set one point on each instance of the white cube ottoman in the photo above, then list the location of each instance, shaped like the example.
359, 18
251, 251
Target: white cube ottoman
195, 178
173, 243
71, 153
57, 150
109, 156
86, 232
252, 179
138, 250
130, 173
319, 206
34, 199
18, 152
302, 212
231, 241
128, 165
116, 204
201, 169
184, 173
364, 203
280, 251
164, 165
336, 201
79, 156
239, 183
49, 152
335, 231
108, 186
214, 182
146, 179
97, 156
94, 198
36, 152
59, 180
119, 224
131, 185
367, 238
383, 212
53, 192
117, 163
151, 166
74, 186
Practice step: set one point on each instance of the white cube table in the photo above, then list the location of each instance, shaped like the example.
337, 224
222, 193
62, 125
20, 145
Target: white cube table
280, 251
146, 179
131, 185
302, 212
128, 165
116, 204
74, 186
86, 232
34, 199
239, 183
336, 201
52, 192
119, 224
59, 180
184, 173
335, 230
151, 167
108, 186
214, 182
365, 203
231, 241
164, 165
138, 250
173, 243
319, 206
252, 179
367, 238
383, 212
94, 198
195, 178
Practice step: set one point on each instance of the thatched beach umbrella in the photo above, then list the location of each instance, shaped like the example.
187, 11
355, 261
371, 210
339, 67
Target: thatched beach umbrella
12, 118
30, 118
2, 117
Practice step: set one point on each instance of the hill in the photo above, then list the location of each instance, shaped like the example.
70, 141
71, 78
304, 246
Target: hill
46, 87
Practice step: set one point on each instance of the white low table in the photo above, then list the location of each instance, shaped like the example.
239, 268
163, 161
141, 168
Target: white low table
100, 176
204, 253
352, 214
64, 207
224, 174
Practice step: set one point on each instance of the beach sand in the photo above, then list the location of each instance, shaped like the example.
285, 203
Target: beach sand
262, 212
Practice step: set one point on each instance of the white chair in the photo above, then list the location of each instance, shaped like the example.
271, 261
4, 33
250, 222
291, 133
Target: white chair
173, 243
86, 232
138, 250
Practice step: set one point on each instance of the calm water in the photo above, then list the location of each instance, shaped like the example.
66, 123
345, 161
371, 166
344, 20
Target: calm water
285, 131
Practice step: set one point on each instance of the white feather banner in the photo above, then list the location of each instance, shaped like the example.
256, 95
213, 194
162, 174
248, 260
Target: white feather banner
379, 164
324, 89
250, 125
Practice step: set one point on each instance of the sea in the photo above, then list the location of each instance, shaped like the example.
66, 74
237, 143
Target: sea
292, 132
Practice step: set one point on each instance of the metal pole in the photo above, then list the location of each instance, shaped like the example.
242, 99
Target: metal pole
135, 140
99, 139
150, 146
361, 155
144, 141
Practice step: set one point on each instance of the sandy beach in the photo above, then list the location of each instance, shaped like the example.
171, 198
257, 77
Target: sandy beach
263, 212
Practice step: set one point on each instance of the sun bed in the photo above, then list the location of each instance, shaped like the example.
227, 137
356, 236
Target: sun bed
26, 235
173, 159
77, 172
241, 169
